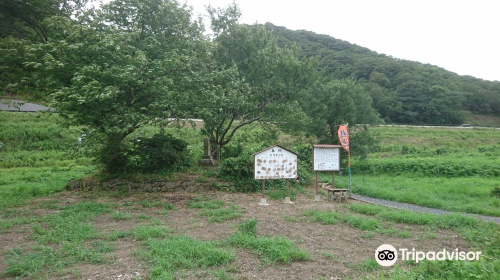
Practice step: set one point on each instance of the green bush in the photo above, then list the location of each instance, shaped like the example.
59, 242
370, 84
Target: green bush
160, 152
240, 166
232, 150
495, 192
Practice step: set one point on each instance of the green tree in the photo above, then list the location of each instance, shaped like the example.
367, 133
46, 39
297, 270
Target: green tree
27, 18
122, 69
336, 103
257, 80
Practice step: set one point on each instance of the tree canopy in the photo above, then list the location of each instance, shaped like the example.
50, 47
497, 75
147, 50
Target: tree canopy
120, 70
262, 82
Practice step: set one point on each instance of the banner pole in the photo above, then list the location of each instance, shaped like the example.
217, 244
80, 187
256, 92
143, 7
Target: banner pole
350, 190
349, 153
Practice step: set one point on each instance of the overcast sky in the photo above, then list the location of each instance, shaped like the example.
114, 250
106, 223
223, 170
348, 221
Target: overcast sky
460, 36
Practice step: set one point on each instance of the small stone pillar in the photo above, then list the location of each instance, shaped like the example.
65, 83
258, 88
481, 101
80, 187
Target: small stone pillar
217, 154
207, 159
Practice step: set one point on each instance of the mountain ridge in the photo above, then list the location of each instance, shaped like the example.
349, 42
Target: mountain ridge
395, 82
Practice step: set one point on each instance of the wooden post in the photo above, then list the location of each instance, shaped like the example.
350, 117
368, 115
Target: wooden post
287, 194
287, 198
263, 188
317, 183
316, 197
263, 201
333, 182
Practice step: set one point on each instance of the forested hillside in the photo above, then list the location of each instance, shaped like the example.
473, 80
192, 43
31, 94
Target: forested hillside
403, 91
119, 67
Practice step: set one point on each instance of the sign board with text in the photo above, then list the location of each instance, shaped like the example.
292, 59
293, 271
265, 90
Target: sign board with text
275, 163
326, 157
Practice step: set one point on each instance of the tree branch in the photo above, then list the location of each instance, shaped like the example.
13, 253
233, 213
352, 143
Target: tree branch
227, 129
238, 127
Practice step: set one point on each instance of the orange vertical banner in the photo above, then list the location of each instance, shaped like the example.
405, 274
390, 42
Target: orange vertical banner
344, 140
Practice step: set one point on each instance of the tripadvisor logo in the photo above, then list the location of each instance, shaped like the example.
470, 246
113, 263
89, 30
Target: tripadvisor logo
387, 255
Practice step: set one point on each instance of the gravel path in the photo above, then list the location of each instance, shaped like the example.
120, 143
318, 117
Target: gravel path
417, 208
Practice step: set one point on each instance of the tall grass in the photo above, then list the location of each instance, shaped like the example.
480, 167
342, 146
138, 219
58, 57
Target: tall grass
38, 156
275, 249
471, 195
61, 241
180, 252
482, 236
436, 137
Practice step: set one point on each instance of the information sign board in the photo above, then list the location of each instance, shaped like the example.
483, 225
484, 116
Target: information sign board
326, 158
275, 163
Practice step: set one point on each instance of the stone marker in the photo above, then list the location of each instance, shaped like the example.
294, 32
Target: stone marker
207, 159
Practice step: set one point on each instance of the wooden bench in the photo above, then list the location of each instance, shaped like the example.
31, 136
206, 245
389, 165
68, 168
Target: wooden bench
340, 194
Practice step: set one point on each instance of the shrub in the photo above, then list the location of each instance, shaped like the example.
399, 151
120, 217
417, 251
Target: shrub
160, 152
495, 192
240, 166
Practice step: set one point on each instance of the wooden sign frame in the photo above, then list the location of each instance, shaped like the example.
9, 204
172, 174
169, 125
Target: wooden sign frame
333, 165
275, 163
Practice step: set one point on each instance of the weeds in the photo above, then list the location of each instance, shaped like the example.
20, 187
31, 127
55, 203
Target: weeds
322, 217
221, 215
271, 249
363, 223
147, 232
204, 203
182, 252
117, 216
68, 229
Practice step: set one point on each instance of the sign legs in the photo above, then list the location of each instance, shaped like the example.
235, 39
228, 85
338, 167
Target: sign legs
287, 198
316, 197
263, 201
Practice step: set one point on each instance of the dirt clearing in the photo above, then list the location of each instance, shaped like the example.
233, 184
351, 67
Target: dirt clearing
336, 251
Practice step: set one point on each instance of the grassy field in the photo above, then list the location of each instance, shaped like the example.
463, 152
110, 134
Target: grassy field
454, 169
49, 233
38, 156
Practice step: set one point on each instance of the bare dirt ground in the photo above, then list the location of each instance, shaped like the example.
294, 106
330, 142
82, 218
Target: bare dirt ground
336, 251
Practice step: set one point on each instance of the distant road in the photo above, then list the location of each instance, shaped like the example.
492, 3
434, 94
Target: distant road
21, 106
464, 126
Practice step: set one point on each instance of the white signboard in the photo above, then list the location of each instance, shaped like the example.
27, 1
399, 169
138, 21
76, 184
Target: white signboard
275, 163
326, 158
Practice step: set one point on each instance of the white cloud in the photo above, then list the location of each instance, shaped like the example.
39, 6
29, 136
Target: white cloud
460, 36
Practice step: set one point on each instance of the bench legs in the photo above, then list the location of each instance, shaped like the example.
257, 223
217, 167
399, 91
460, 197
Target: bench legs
341, 197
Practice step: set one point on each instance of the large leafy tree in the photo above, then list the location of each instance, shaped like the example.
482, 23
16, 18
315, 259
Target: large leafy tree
124, 68
257, 80
334, 103
23, 22
27, 18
